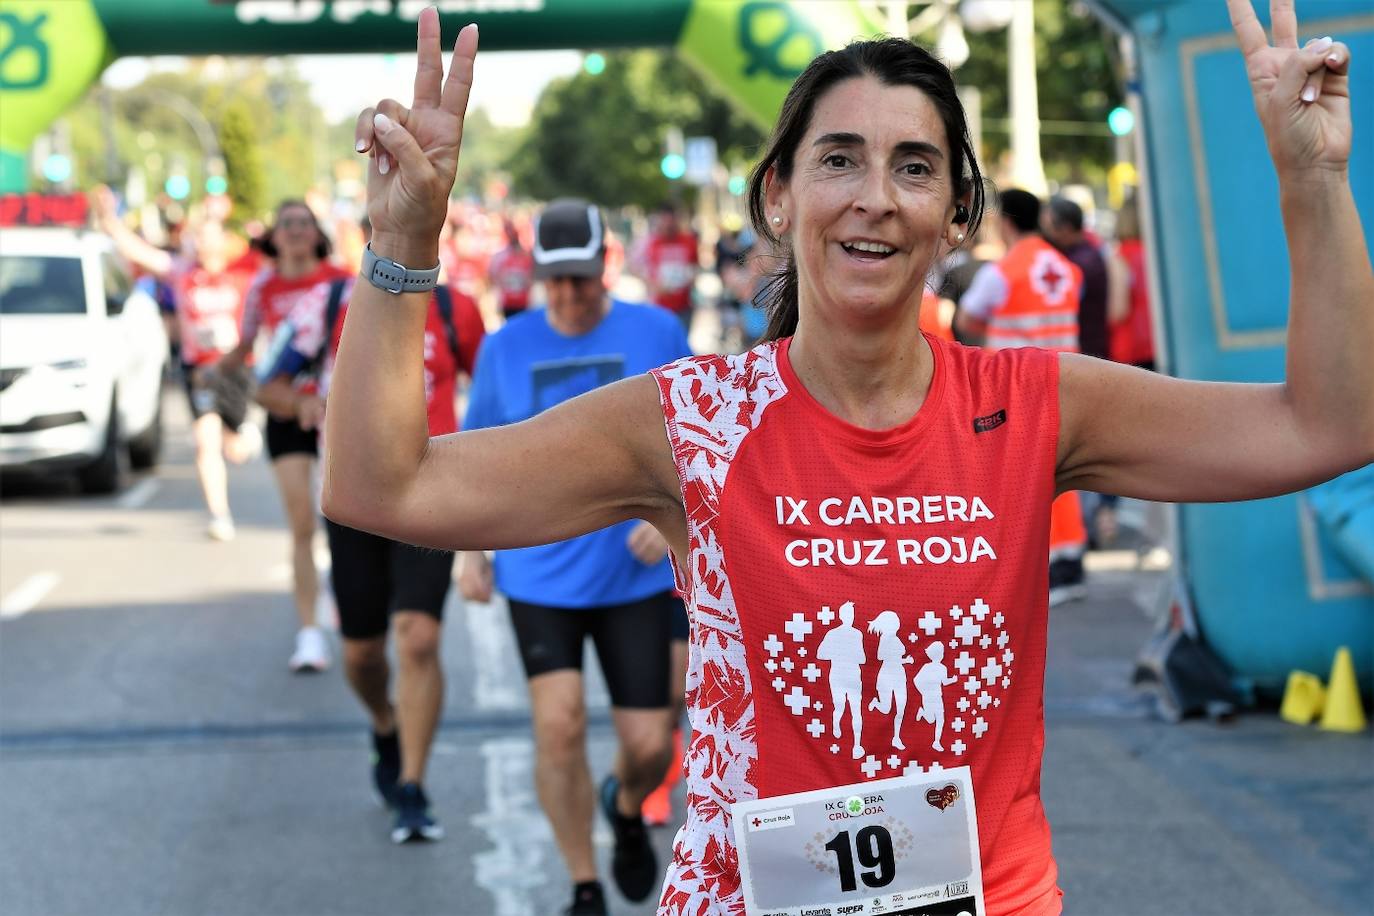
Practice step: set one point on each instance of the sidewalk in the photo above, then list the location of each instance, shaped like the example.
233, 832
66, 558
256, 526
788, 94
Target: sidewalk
1246, 818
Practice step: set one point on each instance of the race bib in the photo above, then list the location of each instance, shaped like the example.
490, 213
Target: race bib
220, 333
906, 846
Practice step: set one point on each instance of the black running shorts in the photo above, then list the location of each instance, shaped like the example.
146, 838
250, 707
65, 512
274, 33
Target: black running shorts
631, 644
286, 437
373, 576
224, 393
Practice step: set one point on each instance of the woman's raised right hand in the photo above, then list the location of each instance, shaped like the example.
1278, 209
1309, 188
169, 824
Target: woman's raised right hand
414, 151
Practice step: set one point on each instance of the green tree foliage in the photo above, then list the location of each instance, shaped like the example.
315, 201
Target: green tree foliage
239, 144
601, 137
1078, 83
273, 109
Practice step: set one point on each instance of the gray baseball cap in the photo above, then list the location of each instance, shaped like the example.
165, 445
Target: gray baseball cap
569, 240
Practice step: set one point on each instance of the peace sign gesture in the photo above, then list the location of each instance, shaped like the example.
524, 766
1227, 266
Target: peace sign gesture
415, 150
1302, 96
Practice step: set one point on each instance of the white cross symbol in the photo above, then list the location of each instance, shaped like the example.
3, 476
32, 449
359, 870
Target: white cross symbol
1008, 656
1006, 682
802, 651
968, 631
970, 686
979, 727
771, 665
815, 728
798, 626
958, 747
1002, 639
911, 638
818, 706
935, 767
991, 671
957, 725
997, 620
964, 662
787, 665
912, 769
956, 612
985, 641
929, 623
870, 766
894, 761
772, 644
983, 700
825, 616
997, 702
834, 748
778, 684
979, 608
964, 704
796, 701
811, 672
954, 643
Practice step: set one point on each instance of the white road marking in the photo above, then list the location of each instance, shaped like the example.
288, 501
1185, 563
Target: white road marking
26, 597
513, 869
138, 495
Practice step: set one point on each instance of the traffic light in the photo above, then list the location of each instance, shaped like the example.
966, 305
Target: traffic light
1121, 121
674, 162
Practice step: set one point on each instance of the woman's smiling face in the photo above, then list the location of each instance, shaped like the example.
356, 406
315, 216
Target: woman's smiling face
870, 199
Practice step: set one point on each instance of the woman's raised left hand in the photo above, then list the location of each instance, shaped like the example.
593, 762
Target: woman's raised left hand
1302, 95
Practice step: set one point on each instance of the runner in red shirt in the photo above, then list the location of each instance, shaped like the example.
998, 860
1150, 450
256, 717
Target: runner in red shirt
511, 273
209, 307
299, 250
858, 512
670, 263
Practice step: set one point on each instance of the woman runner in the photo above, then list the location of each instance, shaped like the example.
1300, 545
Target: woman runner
849, 458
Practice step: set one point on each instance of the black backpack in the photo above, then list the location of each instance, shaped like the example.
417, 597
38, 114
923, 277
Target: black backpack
334, 305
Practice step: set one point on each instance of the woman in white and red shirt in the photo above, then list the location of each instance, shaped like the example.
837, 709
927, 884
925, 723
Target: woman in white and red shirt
299, 250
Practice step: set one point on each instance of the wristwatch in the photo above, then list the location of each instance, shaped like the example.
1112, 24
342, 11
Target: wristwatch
395, 277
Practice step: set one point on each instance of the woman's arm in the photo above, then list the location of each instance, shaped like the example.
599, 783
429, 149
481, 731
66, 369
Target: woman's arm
1134, 433
127, 242
588, 463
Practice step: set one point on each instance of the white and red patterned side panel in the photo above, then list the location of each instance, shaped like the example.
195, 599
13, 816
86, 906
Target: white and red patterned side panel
710, 404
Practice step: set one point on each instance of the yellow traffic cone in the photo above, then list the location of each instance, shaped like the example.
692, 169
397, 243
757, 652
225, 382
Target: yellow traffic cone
1343, 710
1302, 698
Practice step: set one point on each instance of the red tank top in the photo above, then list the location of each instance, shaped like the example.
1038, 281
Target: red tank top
805, 529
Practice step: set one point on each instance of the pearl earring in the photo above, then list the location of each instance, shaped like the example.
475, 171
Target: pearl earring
960, 237
777, 221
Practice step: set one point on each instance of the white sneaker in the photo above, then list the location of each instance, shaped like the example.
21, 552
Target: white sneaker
312, 651
221, 528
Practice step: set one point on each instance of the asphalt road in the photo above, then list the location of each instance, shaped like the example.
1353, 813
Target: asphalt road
156, 757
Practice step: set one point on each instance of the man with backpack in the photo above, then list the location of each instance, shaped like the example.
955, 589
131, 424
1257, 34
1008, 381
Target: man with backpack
379, 583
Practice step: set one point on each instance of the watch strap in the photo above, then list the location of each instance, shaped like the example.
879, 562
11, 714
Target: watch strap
394, 277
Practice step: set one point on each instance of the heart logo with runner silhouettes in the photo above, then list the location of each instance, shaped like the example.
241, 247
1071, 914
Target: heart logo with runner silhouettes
897, 693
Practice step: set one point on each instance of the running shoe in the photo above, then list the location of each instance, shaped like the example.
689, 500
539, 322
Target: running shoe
312, 651
221, 528
633, 863
386, 767
588, 900
1066, 581
413, 821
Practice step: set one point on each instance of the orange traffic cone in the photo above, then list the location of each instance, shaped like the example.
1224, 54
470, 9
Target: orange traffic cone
1303, 698
1344, 712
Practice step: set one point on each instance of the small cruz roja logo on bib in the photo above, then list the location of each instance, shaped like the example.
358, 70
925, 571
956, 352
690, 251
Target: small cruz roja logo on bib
888, 689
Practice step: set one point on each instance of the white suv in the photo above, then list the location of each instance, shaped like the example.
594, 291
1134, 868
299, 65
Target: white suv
82, 356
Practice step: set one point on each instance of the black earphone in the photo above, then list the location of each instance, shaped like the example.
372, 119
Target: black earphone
960, 214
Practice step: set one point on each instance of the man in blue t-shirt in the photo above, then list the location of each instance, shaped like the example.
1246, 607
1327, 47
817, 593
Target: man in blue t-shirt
614, 585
